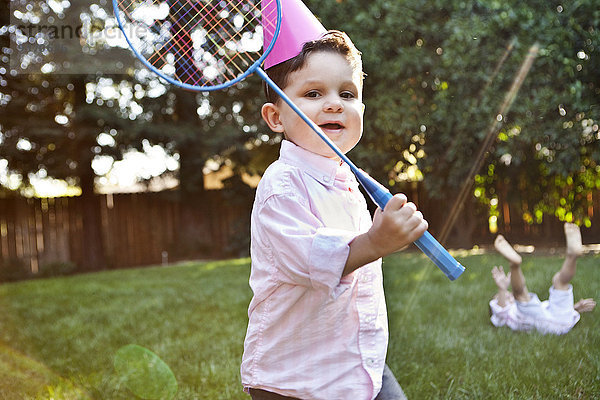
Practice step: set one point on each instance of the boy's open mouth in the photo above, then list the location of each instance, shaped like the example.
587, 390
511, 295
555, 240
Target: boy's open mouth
331, 126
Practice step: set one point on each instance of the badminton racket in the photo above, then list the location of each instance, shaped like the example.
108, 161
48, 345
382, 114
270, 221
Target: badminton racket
206, 45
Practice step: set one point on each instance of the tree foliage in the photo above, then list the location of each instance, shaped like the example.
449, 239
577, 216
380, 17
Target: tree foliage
55, 105
437, 74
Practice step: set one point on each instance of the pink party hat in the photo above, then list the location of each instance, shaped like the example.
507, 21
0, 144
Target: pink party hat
298, 26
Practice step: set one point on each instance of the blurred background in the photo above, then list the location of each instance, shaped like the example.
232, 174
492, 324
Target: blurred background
485, 113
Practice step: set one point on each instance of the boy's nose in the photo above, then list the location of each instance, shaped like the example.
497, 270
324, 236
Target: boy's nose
333, 105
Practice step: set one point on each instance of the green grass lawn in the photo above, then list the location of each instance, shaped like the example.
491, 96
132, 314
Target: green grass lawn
58, 336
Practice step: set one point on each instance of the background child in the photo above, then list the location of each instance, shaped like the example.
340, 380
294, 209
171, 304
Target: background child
522, 310
318, 321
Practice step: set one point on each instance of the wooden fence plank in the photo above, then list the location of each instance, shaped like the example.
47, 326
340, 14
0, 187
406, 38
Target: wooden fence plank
3, 231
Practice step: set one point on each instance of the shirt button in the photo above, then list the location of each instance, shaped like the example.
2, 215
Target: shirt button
370, 362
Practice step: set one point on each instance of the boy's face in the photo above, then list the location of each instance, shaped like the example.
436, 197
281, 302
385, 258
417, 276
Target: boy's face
329, 92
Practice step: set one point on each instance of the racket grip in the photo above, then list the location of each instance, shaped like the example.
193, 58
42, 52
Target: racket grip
426, 243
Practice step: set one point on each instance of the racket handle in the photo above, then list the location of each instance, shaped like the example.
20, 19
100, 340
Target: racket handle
426, 243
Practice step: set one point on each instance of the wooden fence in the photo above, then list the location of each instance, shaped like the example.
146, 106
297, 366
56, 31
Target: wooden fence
137, 229
153, 228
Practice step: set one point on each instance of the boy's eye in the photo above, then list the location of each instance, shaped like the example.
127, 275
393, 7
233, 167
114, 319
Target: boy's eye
347, 95
312, 93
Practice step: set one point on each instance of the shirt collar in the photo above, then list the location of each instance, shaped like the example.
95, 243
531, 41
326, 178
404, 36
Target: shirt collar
322, 169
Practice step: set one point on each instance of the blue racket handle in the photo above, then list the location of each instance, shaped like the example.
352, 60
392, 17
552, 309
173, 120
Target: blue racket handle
426, 243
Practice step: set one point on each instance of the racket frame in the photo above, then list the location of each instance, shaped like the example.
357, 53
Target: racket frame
187, 86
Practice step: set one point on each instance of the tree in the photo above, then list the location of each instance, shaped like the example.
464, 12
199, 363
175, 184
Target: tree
437, 74
59, 115
436, 79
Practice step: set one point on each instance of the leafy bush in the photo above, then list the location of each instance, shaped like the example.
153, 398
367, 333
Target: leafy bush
56, 268
13, 269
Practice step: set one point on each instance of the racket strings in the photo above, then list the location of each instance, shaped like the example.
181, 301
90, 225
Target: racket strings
181, 37
182, 41
201, 42
217, 30
218, 33
185, 67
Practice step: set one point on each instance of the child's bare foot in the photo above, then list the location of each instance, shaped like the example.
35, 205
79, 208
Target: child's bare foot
584, 305
573, 235
507, 250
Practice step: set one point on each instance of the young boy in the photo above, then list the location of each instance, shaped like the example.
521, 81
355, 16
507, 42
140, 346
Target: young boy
523, 311
317, 321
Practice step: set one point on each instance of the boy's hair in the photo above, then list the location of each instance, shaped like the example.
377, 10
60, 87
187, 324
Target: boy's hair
334, 41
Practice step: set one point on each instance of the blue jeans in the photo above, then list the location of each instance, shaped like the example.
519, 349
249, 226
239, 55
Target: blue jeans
390, 390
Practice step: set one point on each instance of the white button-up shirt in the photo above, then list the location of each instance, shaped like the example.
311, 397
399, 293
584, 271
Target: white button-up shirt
311, 333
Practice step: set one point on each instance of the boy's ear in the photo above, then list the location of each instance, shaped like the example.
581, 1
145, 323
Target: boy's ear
270, 113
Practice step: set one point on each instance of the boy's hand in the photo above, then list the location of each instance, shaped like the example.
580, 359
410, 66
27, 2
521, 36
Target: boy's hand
397, 226
584, 305
502, 280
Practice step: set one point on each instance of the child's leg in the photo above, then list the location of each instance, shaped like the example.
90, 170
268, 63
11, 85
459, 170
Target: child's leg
390, 388
258, 394
517, 279
562, 278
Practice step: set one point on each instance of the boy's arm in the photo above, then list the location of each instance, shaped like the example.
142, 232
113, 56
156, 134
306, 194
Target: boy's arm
396, 227
502, 281
502, 297
295, 246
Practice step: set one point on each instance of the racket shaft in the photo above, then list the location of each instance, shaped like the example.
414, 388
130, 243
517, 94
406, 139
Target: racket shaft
439, 255
378, 193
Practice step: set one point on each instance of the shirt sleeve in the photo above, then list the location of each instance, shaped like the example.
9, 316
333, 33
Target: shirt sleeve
500, 314
303, 251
